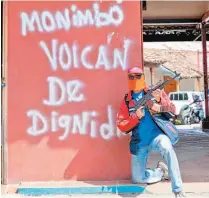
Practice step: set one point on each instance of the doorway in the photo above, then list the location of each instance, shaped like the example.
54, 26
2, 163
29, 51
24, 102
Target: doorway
170, 87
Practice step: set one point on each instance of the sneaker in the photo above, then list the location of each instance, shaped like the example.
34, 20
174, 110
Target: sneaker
164, 168
180, 194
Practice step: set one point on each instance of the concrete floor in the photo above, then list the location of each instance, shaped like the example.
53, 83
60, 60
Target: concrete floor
193, 154
109, 196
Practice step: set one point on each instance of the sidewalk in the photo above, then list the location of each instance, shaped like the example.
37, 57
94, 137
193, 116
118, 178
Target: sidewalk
117, 189
110, 196
189, 127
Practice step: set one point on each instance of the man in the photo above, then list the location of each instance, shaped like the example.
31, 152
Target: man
147, 136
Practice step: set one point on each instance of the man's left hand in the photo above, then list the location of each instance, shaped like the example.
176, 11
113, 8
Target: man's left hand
153, 107
156, 108
157, 94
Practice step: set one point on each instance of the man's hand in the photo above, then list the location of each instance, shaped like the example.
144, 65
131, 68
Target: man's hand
140, 112
157, 94
156, 108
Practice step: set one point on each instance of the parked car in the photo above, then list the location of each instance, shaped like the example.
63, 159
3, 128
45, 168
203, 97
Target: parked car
182, 98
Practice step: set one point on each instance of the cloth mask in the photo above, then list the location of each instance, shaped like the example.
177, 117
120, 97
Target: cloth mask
137, 84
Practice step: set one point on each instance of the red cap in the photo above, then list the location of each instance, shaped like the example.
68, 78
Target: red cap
135, 70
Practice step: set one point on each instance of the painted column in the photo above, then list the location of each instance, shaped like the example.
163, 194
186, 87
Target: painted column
205, 69
198, 69
152, 76
67, 75
4, 97
198, 84
177, 85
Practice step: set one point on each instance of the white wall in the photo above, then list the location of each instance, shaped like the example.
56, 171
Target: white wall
157, 76
191, 84
202, 84
188, 84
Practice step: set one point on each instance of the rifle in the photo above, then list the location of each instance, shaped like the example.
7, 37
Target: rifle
160, 85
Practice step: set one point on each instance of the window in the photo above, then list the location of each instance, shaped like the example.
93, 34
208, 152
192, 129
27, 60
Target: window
176, 96
186, 96
171, 97
180, 96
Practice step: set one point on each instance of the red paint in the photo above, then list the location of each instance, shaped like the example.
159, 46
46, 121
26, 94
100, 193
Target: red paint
45, 157
205, 67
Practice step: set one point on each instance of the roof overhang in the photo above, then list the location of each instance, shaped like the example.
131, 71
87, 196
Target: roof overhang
167, 72
175, 9
170, 21
173, 32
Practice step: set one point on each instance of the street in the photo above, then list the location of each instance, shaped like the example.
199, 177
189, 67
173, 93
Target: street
193, 154
189, 195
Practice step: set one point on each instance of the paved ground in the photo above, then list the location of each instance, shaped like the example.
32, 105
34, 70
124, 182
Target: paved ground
162, 189
190, 127
189, 195
193, 154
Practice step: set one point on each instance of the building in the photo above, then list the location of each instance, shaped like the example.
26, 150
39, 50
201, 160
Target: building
163, 59
65, 78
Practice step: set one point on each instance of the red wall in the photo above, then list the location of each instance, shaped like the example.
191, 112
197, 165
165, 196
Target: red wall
62, 106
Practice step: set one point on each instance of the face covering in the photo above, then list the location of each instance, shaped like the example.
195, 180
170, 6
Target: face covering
136, 84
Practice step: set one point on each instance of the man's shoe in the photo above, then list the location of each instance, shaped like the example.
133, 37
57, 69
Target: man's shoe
180, 194
164, 168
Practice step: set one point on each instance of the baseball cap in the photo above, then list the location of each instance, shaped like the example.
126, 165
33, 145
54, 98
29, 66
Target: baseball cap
135, 70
